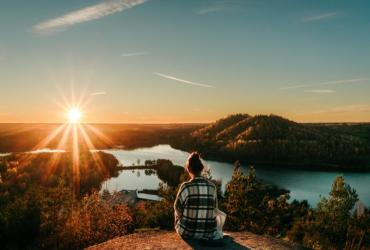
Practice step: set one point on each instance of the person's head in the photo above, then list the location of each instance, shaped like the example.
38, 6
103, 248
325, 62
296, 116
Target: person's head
194, 164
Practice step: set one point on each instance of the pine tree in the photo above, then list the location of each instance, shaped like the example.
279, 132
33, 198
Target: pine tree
327, 226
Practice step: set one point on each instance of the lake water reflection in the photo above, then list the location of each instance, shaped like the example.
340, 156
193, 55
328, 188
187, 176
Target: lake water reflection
304, 185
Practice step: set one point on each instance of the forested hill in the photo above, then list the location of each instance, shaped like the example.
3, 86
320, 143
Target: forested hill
274, 140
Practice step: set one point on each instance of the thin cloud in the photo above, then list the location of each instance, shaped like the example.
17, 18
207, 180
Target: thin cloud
355, 108
183, 81
319, 17
218, 6
320, 91
138, 53
98, 93
85, 14
325, 83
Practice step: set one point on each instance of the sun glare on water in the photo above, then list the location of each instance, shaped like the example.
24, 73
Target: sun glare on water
74, 115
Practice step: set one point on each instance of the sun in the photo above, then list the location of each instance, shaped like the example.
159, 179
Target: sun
74, 115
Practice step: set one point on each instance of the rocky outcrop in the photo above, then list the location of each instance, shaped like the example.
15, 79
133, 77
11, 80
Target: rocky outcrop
158, 239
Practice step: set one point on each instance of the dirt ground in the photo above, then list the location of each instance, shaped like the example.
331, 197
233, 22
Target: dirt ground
157, 239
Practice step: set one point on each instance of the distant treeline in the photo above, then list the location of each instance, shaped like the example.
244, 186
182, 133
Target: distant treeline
25, 137
19, 171
275, 141
260, 140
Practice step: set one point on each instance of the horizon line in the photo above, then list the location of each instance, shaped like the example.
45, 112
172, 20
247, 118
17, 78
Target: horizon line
175, 123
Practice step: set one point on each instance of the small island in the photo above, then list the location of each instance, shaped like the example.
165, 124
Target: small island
165, 170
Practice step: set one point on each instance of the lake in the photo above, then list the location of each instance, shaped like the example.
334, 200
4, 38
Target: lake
303, 184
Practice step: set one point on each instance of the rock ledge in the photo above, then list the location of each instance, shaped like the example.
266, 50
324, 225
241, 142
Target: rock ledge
158, 239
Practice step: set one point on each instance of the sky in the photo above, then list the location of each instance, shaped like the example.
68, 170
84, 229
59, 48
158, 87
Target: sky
164, 61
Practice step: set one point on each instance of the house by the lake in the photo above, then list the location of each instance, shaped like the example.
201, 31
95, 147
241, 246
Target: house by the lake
131, 197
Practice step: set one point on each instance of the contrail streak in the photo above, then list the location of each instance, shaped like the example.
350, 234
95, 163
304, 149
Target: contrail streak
184, 81
85, 14
325, 83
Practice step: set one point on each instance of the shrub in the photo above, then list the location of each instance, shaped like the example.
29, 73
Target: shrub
259, 207
331, 225
95, 220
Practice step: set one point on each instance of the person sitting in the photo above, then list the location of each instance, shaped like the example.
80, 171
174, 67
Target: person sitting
196, 212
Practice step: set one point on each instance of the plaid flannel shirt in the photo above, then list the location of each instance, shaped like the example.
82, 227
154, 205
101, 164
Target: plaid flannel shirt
195, 204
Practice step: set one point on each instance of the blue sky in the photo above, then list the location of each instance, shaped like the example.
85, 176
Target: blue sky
184, 61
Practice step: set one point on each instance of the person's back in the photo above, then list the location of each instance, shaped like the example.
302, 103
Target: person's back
196, 203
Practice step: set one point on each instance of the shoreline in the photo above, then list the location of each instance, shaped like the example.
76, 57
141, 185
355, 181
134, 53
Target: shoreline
321, 167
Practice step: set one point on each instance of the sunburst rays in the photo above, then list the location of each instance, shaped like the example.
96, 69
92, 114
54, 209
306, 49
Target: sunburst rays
101, 136
76, 158
55, 158
73, 138
26, 158
96, 157
74, 115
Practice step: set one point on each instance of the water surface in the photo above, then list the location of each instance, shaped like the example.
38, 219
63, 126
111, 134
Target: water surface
303, 184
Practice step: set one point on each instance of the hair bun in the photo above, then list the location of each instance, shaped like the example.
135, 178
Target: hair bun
194, 163
195, 155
